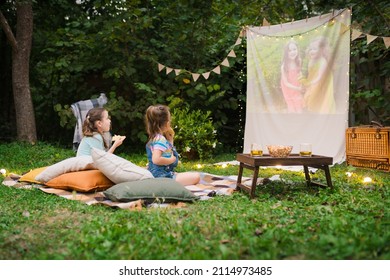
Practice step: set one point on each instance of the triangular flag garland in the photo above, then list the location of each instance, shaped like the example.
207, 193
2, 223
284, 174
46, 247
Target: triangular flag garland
265, 22
232, 54
386, 40
344, 28
225, 62
216, 70
168, 70
195, 76
370, 38
160, 67
355, 34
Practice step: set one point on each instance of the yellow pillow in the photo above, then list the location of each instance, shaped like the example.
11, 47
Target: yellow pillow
82, 181
30, 176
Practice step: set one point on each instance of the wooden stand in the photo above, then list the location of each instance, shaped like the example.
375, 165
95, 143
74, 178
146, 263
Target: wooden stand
253, 163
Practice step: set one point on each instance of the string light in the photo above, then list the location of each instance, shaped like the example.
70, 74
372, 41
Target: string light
367, 180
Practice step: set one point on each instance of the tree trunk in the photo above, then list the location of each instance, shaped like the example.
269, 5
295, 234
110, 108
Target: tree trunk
21, 49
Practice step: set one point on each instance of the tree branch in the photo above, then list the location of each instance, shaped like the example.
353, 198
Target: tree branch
8, 32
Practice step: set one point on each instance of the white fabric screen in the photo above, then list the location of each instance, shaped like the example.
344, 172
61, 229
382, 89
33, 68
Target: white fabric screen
292, 100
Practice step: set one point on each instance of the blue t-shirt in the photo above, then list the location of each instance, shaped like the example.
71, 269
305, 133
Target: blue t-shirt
89, 142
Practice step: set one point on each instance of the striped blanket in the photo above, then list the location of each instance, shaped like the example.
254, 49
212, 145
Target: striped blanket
209, 186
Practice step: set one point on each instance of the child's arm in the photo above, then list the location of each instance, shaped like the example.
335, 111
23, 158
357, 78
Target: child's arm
158, 159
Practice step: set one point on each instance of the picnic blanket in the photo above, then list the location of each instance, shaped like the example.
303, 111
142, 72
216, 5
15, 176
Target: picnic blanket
209, 186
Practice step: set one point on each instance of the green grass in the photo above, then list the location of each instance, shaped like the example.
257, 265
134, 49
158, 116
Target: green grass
287, 220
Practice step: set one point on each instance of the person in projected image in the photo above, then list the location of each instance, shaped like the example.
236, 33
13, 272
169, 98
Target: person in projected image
319, 94
290, 72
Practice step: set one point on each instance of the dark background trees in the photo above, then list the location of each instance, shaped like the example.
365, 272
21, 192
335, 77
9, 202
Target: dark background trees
80, 50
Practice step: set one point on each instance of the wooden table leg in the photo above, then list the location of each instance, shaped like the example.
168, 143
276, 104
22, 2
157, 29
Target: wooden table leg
307, 175
239, 178
254, 182
327, 175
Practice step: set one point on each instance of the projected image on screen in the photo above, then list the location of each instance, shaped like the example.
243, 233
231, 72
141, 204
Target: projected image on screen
298, 70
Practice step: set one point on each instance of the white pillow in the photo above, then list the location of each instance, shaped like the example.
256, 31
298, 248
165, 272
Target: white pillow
118, 169
67, 165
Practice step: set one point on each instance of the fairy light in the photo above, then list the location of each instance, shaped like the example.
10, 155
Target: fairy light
367, 180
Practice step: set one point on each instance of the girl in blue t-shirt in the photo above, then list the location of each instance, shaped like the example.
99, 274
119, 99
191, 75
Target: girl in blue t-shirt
97, 122
162, 156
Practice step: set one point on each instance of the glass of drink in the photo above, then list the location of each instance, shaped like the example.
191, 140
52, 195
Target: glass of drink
256, 150
305, 150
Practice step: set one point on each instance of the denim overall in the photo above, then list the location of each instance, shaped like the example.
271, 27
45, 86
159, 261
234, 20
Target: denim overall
158, 171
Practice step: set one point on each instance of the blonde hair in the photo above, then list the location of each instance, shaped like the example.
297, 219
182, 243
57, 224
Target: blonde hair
156, 118
323, 45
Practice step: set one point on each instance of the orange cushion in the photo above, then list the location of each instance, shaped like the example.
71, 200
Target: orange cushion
30, 176
82, 181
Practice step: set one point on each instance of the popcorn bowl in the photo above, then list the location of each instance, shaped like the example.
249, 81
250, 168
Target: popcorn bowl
279, 150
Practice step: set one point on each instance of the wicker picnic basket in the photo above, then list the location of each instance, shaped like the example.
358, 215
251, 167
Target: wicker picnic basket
368, 146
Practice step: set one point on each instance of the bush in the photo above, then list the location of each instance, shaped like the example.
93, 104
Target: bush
195, 135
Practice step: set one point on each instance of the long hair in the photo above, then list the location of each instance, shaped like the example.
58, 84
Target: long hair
298, 59
323, 45
89, 125
156, 117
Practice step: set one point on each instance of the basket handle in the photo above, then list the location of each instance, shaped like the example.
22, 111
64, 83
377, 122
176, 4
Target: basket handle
376, 123
377, 132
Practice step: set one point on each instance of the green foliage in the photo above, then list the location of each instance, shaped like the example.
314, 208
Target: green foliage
195, 134
80, 50
287, 220
363, 102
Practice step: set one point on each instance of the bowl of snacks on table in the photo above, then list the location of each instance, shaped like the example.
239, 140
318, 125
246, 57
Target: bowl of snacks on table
279, 150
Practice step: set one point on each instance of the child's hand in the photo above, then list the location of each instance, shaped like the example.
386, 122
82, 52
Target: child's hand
118, 140
169, 134
303, 81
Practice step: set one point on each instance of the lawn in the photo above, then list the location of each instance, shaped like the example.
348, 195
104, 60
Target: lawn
287, 220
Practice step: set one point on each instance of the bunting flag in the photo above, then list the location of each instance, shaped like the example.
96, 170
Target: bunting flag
160, 67
355, 34
177, 72
225, 62
343, 28
386, 40
168, 70
217, 70
265, 22
206, 75
370, 38
195, 76
232, 54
